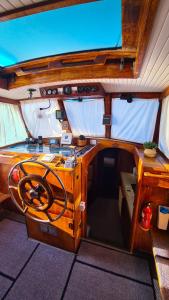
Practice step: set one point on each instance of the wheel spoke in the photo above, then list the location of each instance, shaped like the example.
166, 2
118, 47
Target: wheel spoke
23, 170
46, 174
48, 215
13, 187
25, 209
41, 202
44, 196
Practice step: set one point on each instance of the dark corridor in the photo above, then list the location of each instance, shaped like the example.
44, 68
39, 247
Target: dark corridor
104, 220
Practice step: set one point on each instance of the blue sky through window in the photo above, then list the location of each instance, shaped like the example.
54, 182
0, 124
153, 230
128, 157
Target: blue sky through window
88, 26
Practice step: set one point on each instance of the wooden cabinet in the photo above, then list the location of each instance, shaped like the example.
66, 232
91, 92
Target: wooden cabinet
153, 187
66, 231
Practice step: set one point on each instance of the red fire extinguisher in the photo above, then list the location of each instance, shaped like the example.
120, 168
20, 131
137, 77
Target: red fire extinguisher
146, 216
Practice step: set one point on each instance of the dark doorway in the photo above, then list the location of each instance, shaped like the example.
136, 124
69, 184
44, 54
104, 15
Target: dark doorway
104, 213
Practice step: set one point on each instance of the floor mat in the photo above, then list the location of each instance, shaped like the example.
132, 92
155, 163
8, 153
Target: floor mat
45, 275
45, 272
104, 221
92, 284
15, 248
114, 261
5, 284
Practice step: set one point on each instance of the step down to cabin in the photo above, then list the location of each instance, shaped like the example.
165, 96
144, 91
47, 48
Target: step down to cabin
104, 245
160, 241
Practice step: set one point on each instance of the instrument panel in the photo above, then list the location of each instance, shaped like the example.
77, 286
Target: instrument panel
61, 156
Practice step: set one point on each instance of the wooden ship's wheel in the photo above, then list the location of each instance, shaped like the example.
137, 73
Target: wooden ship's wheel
33, 193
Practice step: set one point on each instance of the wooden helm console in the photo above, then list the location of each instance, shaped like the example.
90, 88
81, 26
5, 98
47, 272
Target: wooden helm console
32, 193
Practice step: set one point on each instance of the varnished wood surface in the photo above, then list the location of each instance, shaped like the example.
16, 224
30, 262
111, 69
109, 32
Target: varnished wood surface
140, 95
72, 73
165, 92
8, 100
68, 227
107, 110
153, 165
72, 57
152, 185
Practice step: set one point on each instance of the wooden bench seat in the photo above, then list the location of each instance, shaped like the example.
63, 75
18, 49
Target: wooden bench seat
160, 241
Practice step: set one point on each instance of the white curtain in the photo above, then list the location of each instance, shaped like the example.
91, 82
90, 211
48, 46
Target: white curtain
134, 121
41, 122
164, 128
12, 128
86, 117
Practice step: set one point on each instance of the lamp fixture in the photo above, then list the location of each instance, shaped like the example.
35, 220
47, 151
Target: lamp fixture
31, 91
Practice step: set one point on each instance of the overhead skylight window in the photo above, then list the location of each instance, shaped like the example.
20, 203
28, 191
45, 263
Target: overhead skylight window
90, 26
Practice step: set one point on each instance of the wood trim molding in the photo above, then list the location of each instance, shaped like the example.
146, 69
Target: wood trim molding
165, 93
157, 125
8, 100
107, 105
39, 7
142, 95
62, 107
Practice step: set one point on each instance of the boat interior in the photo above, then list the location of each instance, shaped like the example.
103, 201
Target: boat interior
84, 149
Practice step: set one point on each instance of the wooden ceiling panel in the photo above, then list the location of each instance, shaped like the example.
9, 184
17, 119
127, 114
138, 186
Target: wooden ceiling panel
29, 7
16, 3
2, 9
7, 5
27, 2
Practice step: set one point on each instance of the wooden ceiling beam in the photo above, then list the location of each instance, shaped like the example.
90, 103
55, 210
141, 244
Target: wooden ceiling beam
137, 21
99, 60
73, 57
130, 15
87, 72
39, 7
